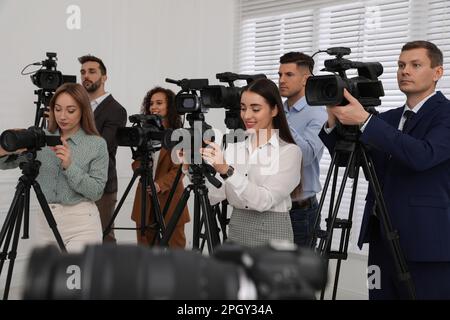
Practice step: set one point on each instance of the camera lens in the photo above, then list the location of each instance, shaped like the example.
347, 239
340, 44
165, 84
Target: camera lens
329, 90
8, 140
128, 272
189, 103
11, 140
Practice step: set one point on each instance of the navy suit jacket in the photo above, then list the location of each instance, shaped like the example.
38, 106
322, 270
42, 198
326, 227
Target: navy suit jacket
110, 115
413, 168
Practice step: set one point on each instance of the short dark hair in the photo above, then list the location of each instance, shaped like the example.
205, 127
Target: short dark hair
433, 52
89, 57
299, 58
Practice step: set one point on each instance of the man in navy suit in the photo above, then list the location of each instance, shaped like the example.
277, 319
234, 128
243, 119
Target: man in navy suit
109, 115
412, 162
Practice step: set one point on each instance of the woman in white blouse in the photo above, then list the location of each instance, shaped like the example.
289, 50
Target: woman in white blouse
260, 173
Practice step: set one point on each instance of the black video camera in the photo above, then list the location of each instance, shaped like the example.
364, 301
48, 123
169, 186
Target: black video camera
33, 138
147, 133
234, 272
329, 89
213, 96
48, 78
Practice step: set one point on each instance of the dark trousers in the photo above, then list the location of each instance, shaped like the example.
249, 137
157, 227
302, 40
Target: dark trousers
431, 279
106, 206
303, 216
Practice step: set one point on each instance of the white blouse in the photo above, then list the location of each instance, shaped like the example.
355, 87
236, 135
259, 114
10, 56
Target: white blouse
263, 179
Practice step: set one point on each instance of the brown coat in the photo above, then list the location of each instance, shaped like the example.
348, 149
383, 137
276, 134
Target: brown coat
166, 172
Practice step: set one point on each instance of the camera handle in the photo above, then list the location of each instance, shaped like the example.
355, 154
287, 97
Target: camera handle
43, 100
20, 209
357, 157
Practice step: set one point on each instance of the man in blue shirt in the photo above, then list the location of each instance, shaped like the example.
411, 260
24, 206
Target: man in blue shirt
305, 123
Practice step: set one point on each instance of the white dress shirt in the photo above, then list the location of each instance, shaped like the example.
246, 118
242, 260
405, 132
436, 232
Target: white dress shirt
263, 178
415, 109
96, 102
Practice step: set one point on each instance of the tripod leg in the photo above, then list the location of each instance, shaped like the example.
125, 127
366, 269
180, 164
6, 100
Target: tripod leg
196, 223
172, 191
211, 231
48, 215
222, 218
334, 166
119, 205
392, 236
175, 216
338, 203
26, 217
8, 226
20, 189
322, 200
156, 209
345, 226
325, 246
13, 252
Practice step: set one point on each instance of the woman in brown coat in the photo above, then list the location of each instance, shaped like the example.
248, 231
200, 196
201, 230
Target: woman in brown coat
162, 102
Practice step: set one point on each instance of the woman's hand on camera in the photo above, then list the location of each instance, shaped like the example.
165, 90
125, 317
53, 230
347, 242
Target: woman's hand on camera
181, 159
214, 156
63, 152
3, 152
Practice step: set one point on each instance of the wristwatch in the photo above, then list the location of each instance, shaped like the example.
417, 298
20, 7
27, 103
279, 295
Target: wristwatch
227, 174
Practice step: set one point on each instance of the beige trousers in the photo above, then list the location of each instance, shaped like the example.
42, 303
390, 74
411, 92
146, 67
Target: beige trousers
78, 225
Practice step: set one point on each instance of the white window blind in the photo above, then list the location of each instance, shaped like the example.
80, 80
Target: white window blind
374, 30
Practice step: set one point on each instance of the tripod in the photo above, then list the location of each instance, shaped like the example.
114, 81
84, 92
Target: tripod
145, 172
357, 155
203, 212
20, 209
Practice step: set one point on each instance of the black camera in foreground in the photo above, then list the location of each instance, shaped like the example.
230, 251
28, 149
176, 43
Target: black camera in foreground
33, 138
48, 78
329, 89
133, 272
147, 132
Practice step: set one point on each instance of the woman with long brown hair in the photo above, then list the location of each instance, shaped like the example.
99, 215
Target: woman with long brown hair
260, 173
72, 175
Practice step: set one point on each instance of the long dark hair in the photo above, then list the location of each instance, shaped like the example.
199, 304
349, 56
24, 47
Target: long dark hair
80, 95
269, 91
173, 118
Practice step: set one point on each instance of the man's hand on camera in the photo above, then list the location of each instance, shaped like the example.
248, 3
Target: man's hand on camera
351, 114
214, 156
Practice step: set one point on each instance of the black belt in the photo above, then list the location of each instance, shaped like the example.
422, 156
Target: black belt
304, 204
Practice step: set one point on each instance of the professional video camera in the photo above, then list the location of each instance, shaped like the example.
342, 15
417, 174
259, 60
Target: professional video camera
48, 78
147, 133
213, 96
234, 272
33, 138
329, 89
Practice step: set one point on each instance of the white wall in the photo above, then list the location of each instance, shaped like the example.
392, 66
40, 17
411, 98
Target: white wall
141, 42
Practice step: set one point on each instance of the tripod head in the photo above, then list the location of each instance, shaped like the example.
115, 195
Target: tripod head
201, 171
30, 167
